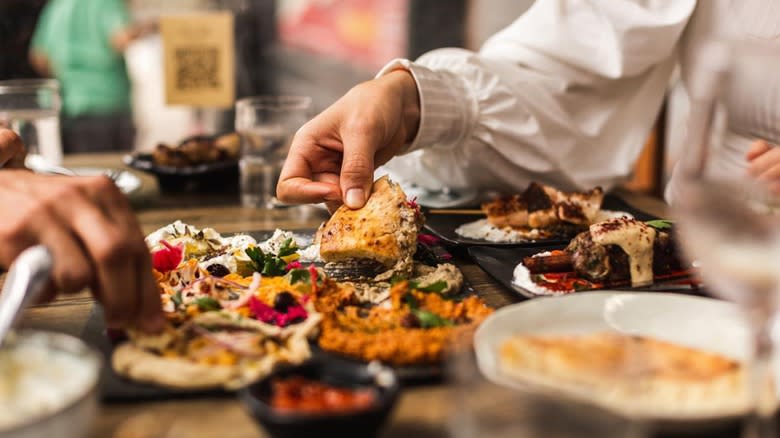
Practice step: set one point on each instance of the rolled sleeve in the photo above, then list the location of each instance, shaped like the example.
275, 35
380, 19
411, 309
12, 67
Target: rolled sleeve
447, 107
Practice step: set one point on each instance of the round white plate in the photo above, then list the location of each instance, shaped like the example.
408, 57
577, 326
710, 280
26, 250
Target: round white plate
127, 181
702, 323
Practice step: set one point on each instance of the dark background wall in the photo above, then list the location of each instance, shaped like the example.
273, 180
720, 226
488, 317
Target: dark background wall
17, 23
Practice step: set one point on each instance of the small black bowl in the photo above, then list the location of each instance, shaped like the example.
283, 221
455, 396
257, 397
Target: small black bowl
358, 424
220, 176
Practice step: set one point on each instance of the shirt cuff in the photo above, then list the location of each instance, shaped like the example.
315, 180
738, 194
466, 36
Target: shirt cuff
444, 110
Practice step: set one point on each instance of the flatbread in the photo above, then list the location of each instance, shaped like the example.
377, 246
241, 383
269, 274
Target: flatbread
148, 358
384, 230
142, 365
632, 374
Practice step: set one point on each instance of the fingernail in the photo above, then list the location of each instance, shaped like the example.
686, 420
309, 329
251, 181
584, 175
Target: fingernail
355, 198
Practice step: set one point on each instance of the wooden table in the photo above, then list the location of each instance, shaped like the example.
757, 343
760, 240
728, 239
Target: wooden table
422, 410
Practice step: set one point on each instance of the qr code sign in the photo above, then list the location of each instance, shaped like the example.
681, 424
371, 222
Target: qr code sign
197, 68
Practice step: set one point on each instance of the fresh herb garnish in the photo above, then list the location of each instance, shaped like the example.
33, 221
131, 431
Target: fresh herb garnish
437, 286
288, 248
273, 266
208, 303
257, 256
266, 264
430, 320
299, 275
660, 224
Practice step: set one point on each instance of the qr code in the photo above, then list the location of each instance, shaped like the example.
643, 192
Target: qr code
197, 68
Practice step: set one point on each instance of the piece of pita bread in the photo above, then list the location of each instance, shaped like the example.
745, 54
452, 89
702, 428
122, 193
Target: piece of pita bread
634, 375
384, 230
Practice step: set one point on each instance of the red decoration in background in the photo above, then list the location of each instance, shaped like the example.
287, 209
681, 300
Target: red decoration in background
367, 33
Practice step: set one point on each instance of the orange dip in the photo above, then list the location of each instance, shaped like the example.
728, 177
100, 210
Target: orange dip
305, 396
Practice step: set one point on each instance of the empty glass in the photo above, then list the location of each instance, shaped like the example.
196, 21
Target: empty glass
727, 220
266, 125
31, 107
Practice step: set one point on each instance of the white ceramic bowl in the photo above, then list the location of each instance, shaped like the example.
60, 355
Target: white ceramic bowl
73, 414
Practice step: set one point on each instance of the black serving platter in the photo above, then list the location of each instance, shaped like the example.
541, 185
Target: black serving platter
500, 264
443, 225
358, 424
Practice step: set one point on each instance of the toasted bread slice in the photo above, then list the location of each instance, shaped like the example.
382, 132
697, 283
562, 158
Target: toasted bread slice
384, 230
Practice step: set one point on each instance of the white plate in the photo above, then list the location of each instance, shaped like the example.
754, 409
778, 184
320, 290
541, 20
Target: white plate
701, 323
127, 181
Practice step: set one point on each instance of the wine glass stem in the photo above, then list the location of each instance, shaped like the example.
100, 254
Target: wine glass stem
761, 422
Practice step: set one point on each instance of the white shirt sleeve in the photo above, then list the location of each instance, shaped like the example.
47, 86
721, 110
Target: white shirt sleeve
566, 95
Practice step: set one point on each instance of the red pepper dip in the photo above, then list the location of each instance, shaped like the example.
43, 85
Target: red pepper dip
304, 396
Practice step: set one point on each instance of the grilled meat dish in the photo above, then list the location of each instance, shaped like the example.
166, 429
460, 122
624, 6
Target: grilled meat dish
541, 206
611, 263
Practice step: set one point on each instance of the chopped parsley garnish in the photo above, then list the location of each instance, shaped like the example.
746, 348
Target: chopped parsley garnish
660, 224
207, 303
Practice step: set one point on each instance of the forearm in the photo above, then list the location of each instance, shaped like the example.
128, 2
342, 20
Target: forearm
404, 86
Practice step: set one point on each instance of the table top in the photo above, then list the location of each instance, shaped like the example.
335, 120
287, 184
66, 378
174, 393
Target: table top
422, 410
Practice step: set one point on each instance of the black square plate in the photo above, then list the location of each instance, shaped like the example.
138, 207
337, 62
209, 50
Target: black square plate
500, 264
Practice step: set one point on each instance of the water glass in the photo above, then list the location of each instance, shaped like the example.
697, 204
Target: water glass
727, 221
31, 107
266, 125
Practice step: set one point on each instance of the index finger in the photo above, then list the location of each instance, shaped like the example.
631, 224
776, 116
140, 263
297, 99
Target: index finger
297, 182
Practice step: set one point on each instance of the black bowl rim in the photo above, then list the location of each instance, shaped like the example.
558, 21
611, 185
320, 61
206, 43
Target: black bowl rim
260, 409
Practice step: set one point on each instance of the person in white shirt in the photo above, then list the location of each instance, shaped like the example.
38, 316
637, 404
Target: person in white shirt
565, 95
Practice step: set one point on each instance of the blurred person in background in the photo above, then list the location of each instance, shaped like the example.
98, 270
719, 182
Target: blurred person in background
81, 43
565, 95
92, 233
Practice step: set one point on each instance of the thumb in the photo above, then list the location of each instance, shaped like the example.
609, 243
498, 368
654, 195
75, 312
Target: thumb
357, 170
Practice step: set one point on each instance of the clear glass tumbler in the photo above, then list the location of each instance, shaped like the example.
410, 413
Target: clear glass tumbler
266, 125
31, 107
728, 221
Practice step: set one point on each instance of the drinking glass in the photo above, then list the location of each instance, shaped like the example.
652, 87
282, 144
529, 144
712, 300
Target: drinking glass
727, 221
31, 107
266, 125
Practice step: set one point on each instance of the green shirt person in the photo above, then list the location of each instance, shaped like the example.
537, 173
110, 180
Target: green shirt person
81, 43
